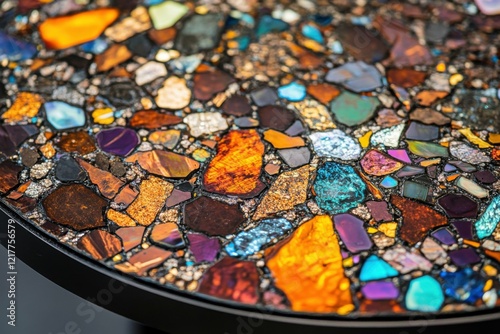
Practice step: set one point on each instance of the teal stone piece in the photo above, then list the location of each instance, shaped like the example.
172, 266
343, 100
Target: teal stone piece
338, 188
424, 294
311, 32
63, 116
376, 268
353, 109
389, 182
415, 190
269, 24
489, 220
250, 242
199, 33
293, 92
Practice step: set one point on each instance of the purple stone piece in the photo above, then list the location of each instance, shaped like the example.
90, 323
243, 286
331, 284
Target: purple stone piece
352, 232
174, 239
449, 168
203, 247
379, 211
118, 141
418, 131
380, 290
485, 176
295, 129
177, 196
444, 236
464, 257
11, 136
400, 154
464, 228
458, 206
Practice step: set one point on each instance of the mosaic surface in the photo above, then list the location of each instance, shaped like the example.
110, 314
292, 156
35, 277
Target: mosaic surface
328, 157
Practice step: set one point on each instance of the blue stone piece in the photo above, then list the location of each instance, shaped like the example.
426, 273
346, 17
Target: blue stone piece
464, 285
15, 49
294, 92
268, 24
322, 20
186, 64
243, 42
338, 188
337, 48
424, 294
389, 182
97, 46
311, 32
63, 116
376, 268
489, 220
249, 242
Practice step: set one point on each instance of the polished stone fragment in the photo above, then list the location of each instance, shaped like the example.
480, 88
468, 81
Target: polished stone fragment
118, 141
353, 109
407, 171
209, 83
429, 116
463, 166
126, 196
162, 36
338, 188
11, 136
388, 137
417, 131
174, 94
485, 177
289, 190
79, 141
434, 251
235, 169
140, 45
148, 72
268, 24
165, 163
375, 268
113, 56
100, 244
379, 164
356, 76
121, 94
67, 169
26, 105
494, 138
463, 285
361, 43
379, 210
104, 116
232, 279
236, 105
63, 116
199, 32
166, 14
381, 290
151, 119
131, 236
295, 157
458, 206
246, 122
9, 176
444, 236
464, 228
489, 220
167, 138
387, 118
474, 139
250, 242
401, 155
177, 196
352, 233
427, 150
335, 144
205, 123
66, 31
293, 92
472, 187
468, 154
280, 140
14, 49
405, 261
315, 115
75, 206
389, 182
405, 77
464, 257
29, 156
264, 96
212, 217
167, 235
107, 184
141, 262
424, 295
488, 7
119, 218
202, 247
152, 195
312, 251
323, 92
417, 219
427, 98
415, 190
275, 117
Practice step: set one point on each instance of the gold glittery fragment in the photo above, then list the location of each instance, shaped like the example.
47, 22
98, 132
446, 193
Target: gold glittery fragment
137, 22
25, 105
389, 229
120, 218
474, 139
48, 150
315, 115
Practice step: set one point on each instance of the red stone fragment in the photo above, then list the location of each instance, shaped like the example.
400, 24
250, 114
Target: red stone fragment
9, 172
150, 119
232, 279
405, 77
100, 244
209, 83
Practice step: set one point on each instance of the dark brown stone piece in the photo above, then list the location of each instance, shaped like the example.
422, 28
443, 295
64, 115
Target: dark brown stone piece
79, 141
405, 77
150, 119
100, 244
236, 105
209, 83
276, 117
9, 172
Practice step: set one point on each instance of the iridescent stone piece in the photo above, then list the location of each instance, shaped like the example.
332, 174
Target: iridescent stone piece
119, 141
352, 232
63, 116
335, 144
489, 220
352, 109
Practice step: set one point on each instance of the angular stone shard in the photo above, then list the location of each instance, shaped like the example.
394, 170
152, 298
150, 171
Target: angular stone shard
131, 236
108, 184
141, 262
100, 244
26, 105
209, 83
150, 119
9, 176
379, 164
352, 232
165, 163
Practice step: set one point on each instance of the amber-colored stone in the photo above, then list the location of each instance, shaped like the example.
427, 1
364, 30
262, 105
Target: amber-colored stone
371, 187
429, 116
113, 56
9, 176
387, 118
493, 254
107, 183
162, 36
307, 267
212, 217
236, 168
405, 77
75, 206
495, 154
323, 92
417, 219
164, 163
126, 196
26, 105
141, 262
209, 83
281, 140
100, 244
131, 236
494, 138
79, 141
427, 97
289, 190
152, 195
48, 150
23, 204
66, 31
150, 119
232, 279
167, 138
310, 61
120, 218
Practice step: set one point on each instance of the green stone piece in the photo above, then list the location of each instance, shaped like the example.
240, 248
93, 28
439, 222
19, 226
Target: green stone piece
166, 14
427, 150
353, 109
415, 190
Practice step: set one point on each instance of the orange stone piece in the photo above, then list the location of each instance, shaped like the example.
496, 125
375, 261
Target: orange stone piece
323, 92
66, 31
427, 97
236, 168
114, 55
26, 105
307, 267
281, 140
165, 163
100, 244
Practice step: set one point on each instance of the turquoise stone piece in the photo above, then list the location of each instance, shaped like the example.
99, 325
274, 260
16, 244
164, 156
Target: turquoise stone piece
376, 268
268, 24
293, 92
489, 220
353, 109
389, 182
311, 32
249, 242
63, 116
424, 294
415, 190
338, 188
